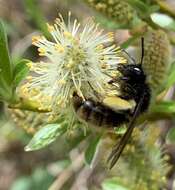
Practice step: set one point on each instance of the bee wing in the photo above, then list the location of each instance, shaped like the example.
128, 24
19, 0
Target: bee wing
118, 148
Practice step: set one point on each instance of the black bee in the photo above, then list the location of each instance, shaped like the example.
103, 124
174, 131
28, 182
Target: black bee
133, 86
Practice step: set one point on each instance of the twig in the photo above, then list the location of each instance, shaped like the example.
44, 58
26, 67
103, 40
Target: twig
81, 180
67, 173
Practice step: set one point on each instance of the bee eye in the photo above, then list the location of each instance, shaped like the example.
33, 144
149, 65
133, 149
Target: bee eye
137, 70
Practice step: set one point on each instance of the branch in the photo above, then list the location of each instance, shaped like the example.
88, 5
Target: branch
68, 172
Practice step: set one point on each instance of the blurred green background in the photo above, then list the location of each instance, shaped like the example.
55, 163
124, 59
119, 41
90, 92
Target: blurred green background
63, 160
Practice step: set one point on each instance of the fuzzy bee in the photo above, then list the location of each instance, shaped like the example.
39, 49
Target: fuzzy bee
133, 87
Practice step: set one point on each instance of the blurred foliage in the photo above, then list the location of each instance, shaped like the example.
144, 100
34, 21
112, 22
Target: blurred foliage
135, 18
40, 179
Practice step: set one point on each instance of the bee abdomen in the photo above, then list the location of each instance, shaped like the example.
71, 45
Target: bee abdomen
98, 114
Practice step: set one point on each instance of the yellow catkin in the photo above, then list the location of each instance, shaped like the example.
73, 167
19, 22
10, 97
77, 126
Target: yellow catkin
30, 121
117, 10
157, 57
141, 165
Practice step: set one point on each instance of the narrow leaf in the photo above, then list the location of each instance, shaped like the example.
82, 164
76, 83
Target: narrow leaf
139, 5
91, 150
20, 72
164, 107
5, 62
112, 184
45, 136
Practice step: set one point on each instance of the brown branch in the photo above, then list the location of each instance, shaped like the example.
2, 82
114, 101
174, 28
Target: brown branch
67, 173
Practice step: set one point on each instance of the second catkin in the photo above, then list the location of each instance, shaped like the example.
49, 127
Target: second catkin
157, 57
119, 11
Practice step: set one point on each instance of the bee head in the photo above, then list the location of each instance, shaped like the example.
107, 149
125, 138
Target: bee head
132, 72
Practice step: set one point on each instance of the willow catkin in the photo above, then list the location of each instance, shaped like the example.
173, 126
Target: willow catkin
141, 165
30, 121
117, 10
157, 57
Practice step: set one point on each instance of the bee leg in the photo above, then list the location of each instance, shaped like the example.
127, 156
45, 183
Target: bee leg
118, 148
128, 92
118, 80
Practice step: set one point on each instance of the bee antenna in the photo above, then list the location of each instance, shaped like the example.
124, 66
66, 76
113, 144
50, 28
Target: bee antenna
142, 46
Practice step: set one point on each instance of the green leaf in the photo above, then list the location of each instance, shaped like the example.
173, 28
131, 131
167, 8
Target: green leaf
91, 150
45, 136
139, 5
20, 72
112, 184
171, 77
163, 20
6, 70
153, 8
171, 135
164, 107
144, 9
5, 62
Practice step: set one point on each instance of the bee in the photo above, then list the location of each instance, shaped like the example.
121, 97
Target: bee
133, 86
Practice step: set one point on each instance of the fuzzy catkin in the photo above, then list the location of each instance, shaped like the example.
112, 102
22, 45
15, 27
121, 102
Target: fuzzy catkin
30, 121
141, 165
117, 10
157, 57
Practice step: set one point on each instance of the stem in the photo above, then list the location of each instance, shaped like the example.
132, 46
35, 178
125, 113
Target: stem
29, 105
67, 173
